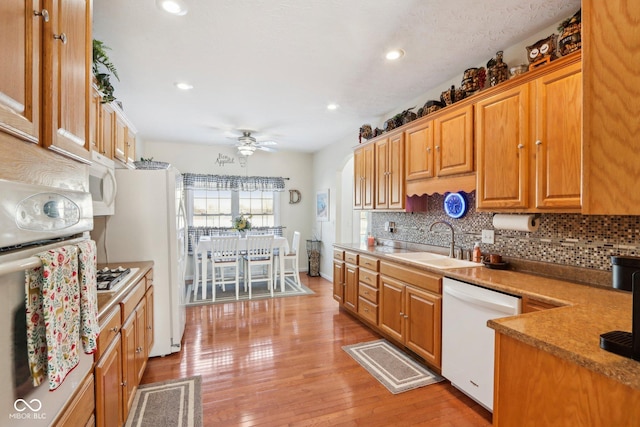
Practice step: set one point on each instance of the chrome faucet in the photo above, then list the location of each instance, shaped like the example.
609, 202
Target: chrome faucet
452, 247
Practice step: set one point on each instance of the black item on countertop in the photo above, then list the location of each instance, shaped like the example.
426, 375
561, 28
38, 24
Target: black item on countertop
623, 268
108, 278
626, 344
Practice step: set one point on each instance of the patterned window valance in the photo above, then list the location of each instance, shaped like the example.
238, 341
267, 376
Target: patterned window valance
232, 182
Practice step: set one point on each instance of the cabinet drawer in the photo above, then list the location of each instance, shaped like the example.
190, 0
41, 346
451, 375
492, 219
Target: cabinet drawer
418, 278
149, 278
338, 254
369, 262
368, 310
129, 303
368, 293
351, 257
108, 331
368, 277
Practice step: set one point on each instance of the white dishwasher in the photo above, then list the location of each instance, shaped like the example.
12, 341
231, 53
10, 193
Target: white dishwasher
467, 341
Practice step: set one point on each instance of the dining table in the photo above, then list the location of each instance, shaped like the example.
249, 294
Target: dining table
203, 247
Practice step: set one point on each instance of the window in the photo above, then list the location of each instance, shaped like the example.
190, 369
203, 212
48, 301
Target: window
217, 208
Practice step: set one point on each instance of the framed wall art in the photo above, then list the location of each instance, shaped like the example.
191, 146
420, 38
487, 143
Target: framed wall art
322, 205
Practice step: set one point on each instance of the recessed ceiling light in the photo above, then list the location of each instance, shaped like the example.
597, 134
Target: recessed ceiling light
174, 7
394, 54
183, 86
332, 107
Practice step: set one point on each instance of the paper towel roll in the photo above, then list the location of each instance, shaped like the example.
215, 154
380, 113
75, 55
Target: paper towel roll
516, 222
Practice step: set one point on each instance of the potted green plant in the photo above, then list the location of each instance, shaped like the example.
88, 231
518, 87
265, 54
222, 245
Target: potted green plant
103, 68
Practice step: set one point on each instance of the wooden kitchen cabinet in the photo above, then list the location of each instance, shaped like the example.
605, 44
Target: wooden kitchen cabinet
412, 317
363, 177
20, 49
351, 272
338, 277
411, 310
81, 409
611, 162
120, 137
108, 130
536, 388
528, 140
45, 85
95, 120
66, 68
109, 386
419, 151
126, 332
453, 141
502, 134
439, 152
389, 172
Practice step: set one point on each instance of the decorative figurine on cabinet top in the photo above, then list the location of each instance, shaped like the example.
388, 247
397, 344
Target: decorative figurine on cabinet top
498, 71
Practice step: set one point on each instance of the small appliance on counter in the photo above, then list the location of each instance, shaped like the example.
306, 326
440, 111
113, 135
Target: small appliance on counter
626, 277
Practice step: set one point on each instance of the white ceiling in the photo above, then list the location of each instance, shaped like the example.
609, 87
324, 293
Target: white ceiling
273, 65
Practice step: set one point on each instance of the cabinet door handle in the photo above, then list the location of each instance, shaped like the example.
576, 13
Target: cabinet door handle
437, 148
520, 146
401, 314
149, 327
428, 149
62, 37
123, 383
406, 317
538, 142
44, 13
114, 329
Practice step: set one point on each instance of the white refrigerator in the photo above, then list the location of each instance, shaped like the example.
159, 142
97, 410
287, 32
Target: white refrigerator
149, 224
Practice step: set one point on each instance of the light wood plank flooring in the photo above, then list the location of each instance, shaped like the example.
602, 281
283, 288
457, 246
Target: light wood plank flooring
280, 362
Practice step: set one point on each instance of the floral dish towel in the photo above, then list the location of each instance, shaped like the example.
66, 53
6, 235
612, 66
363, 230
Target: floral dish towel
89, 325
53, 315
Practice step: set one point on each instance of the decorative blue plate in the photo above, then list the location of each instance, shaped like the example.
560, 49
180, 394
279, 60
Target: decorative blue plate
455, 205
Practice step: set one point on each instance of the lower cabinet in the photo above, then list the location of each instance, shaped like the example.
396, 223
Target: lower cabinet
412, 317
402, 303
124, 344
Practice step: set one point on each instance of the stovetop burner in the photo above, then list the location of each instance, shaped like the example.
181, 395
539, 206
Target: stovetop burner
108, 278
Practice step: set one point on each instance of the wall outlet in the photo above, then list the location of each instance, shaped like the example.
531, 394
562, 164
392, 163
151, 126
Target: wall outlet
487, 236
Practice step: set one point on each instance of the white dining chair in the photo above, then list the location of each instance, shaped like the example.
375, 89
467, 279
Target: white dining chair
291, 255
224, 256
259, 253
199, 256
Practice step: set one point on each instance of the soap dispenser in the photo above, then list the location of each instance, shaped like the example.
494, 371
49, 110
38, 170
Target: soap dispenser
477, 253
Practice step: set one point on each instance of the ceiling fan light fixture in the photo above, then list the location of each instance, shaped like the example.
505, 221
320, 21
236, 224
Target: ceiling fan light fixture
246, 150
394, 54
174, 7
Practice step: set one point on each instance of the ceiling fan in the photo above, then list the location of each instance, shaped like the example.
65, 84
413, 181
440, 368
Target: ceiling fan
247, 144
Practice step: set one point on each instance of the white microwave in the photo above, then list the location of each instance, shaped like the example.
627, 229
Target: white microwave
102, 185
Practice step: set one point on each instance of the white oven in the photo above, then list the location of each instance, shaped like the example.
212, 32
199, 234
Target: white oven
33, 219
102, 185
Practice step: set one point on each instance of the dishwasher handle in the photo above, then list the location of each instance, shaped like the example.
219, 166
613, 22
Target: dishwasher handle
492, 305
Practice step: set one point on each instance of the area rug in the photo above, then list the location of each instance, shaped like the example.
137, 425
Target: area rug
393, 368
167, 404
258, 291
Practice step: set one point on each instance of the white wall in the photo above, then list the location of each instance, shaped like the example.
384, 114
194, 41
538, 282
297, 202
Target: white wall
328, 166
197, 158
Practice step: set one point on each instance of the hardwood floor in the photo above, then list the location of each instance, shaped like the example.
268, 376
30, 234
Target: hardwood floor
280, 362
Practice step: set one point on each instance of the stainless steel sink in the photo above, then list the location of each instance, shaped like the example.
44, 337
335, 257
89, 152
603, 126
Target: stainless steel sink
435, 260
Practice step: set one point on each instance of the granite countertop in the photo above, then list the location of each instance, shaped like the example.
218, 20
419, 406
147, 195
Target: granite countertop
571, 332
106, 300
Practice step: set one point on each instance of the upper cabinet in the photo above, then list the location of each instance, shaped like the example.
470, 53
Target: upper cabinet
528, 140
611, 163
440, 152
363, 179
453, 141
66, 69
20, 70
389, 172
45, 71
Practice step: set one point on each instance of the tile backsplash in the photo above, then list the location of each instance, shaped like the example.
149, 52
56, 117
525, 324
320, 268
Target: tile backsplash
569, 239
